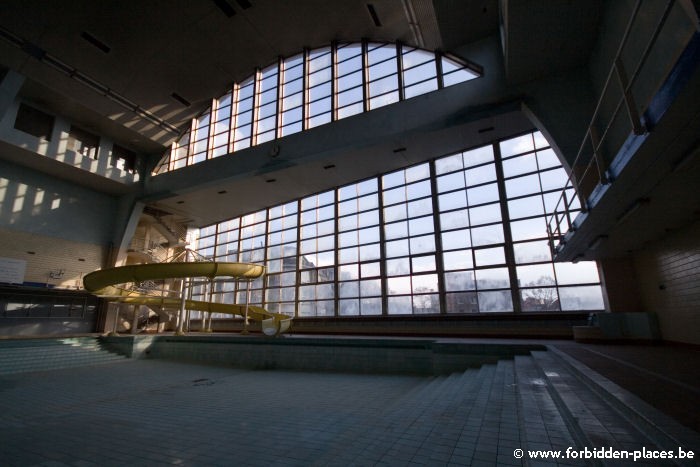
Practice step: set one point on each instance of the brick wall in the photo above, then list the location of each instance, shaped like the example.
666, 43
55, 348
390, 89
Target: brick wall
669, 282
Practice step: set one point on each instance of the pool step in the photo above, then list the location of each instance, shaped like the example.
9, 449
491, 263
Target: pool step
26, 355
565, 405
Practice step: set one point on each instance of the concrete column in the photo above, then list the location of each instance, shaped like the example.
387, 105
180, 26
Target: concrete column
619, 279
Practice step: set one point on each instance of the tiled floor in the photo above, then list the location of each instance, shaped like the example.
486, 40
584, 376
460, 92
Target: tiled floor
155, 412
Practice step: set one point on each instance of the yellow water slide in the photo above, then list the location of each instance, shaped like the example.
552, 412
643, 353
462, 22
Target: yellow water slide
103, 282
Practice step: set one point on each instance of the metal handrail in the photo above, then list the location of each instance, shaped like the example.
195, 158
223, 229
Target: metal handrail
597, 141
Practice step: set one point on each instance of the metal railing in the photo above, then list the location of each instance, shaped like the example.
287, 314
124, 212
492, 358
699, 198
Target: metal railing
592, 161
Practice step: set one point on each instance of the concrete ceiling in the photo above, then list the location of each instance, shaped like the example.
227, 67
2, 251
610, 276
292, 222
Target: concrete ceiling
143, 52
146, 51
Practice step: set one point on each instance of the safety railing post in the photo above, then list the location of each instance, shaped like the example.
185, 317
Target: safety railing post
632, 111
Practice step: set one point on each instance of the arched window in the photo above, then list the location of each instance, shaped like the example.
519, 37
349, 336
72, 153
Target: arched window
313, 88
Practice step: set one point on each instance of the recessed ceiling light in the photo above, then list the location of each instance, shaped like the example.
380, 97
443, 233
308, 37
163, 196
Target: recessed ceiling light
180, 202
271, 180
329, 166
31, 252
222, 192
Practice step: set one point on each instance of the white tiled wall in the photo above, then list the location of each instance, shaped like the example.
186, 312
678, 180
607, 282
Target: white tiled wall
669, 280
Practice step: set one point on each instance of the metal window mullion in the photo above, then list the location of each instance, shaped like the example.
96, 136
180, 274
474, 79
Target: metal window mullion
509, 251
399, 70
382, 252
278, 101
334, 75
190, 143
365, 76
305, 94
229, 139
238, 253
336, 254
235, 90
255, 107
210, 129
297, 267
439, 266
438, 70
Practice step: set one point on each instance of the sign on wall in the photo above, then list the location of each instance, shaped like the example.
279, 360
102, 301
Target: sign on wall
12, 270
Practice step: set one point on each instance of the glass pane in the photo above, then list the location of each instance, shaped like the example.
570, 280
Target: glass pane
485, 214
526, 207
425, 304
517, 145
529, 229
520, 165
495, 278
521, 186
481, 174
349, 307
535, 275
583, 272
581, 298
448, 164
463, 280
454, 200
400, 306
487, 235
450, 182
398, 285
461, 259
483, 194
489, 256
456, 239
397, 267
532, 252
454, 219
423, 264
495, 301
465, 302
541, 299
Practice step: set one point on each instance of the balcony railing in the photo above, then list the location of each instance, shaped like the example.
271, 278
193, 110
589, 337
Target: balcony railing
644, 59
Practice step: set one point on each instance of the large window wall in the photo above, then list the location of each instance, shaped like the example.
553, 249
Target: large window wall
313, 88
464, 233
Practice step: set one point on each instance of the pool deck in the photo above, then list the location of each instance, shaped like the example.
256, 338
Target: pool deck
163, 412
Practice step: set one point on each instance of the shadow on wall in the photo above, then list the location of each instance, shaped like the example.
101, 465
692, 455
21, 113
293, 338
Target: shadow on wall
33, 202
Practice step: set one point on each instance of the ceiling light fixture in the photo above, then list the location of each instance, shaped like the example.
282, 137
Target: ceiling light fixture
225, 7
373, 15
180, 99
40, 54
95, 42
